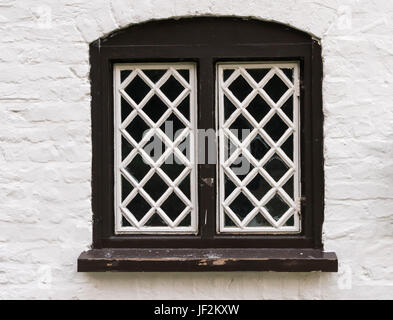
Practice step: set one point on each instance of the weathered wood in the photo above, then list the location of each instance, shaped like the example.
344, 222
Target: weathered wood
177, 260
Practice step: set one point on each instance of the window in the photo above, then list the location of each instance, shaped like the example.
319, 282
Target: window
207, 148
155, 191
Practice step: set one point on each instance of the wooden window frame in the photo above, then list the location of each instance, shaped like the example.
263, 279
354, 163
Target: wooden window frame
207, 41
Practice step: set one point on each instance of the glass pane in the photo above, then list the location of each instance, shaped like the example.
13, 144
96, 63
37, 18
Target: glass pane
258, 147
276, 167
287, 107
153, 74
228, 222
259, 186
137, 128
155, 147
275, 88
275, 128
289, 73
126, 188
186, 222
287, 146
229, 108
288, 187
184, 107
155, 221
125, 223
240, 88
137, 89
155, 187
125, 109
241, 206
227, 73
185, 74
172, 88
290, 222
258, 108
172, 127
184, 186
155, 108
229, 186
258, 74
124, 74
138, 168
138, 206
241, 127
276, 207
172, 167
241, 167
173, 206
125, 148
259, 221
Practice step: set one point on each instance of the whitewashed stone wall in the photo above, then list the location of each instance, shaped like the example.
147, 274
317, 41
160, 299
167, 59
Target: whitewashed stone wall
45, 149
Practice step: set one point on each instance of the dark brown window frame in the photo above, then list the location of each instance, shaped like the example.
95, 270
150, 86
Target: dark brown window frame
206, 41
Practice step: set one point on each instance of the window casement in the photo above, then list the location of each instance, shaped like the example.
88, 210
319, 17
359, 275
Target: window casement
207, 148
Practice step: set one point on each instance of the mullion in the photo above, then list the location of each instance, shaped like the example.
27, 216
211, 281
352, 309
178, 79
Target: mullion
207, 172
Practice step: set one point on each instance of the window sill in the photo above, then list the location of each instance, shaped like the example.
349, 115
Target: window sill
182, 260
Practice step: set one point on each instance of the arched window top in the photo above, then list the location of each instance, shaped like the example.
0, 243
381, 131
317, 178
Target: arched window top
206, 30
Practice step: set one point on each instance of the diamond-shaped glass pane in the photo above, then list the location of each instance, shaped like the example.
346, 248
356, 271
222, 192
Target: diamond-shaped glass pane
258, 108
276, 207
155, 187
173, 206
258, 186
172, 167
155, 147
275, 127
137, 89
155, 108
172, 88
275, 88
137, 128
240, 88
241, 127
138, 206
172, 127
241, 206
258, 147
241, 167
138, 168
276, 167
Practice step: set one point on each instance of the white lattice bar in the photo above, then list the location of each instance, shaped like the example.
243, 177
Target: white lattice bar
275, 173
148, 95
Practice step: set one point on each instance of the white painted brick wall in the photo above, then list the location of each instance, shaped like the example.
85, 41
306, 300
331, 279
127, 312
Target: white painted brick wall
45, 149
